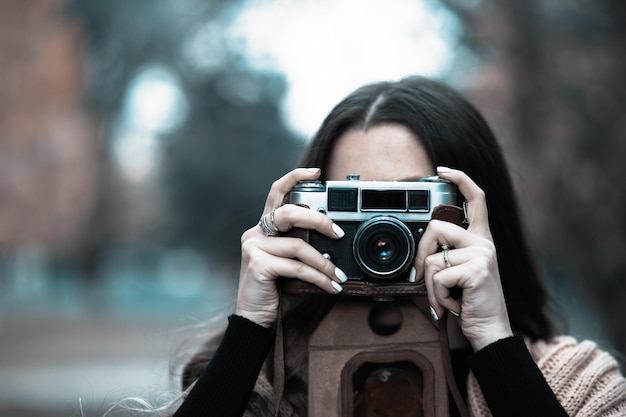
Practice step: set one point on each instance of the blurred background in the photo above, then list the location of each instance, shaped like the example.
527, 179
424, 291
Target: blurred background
138, 139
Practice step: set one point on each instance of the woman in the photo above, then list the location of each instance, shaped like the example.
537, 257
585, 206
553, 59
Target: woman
402, 131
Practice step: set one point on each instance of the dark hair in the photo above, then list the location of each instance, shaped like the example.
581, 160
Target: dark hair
455, 135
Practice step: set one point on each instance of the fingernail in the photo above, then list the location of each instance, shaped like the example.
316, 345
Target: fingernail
433, 314
340, 275
412, 274
454, 313
313, 170
336, 286
443, 169
338, 230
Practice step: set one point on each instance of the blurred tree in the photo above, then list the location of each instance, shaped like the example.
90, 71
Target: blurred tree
551, 81
221, 167
217, 164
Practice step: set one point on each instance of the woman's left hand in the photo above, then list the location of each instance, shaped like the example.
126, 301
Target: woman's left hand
472, 265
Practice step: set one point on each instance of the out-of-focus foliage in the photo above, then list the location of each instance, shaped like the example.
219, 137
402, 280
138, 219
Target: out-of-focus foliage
551, 82
218, 164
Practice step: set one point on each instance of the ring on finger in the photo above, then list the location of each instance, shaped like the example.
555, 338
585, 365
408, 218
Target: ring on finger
273, 221
446, 256
266, 229
269, 225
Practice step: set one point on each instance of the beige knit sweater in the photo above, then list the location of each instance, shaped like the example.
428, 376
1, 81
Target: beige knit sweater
586, 380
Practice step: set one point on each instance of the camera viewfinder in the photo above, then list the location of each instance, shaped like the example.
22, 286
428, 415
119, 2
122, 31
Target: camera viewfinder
418, 200
394, 200
342, 199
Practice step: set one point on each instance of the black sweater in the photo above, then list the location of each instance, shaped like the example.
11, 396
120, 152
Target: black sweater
508, 376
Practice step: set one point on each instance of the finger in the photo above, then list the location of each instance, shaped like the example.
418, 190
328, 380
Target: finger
477, 215
439, 291
458, 257
290, 215
292, 268
430, 269
442, 284
295, 248
281, 187
437, 233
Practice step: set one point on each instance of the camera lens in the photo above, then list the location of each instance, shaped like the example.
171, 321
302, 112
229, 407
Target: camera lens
383, 247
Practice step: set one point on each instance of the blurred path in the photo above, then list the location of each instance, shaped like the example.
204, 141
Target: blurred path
49, 363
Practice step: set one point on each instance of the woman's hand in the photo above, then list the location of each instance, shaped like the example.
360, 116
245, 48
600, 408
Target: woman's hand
470, 263
266, 258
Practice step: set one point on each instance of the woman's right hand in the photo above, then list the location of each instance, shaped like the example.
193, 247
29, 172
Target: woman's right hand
266, 258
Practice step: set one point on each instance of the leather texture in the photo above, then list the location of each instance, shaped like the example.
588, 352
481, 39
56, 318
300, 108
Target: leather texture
356, 342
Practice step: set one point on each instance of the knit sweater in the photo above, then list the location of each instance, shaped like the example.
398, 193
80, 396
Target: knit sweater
586, 381
509, 378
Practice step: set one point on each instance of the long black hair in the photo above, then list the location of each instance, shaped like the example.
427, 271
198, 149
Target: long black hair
455, 135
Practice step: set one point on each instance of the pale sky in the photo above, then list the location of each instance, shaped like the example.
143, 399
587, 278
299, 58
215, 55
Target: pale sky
327, 48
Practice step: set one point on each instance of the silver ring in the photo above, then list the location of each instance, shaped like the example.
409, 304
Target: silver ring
266, 229
273, 221
446, 258
269, 229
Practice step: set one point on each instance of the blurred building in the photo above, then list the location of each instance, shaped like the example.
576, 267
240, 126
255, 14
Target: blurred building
49, 149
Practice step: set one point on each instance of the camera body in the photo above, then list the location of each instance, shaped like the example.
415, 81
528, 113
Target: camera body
383, 221
377, 351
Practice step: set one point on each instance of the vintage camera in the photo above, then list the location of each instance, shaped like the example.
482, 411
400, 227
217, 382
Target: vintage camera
377, 352
383, 221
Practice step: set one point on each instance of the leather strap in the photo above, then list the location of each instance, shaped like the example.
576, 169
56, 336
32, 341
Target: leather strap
355, 288
452, 214
279, 364
447, 366
457, 216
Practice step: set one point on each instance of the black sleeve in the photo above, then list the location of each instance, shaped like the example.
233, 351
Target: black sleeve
224, 387
512, 382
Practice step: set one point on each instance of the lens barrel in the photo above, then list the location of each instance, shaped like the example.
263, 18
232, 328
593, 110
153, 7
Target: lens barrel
383, 247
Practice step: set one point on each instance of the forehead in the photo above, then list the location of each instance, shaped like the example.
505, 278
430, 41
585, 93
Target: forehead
382, 153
